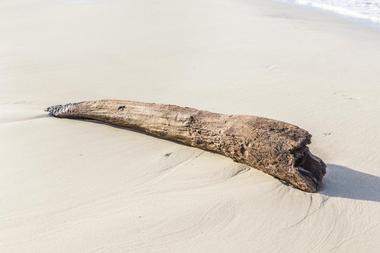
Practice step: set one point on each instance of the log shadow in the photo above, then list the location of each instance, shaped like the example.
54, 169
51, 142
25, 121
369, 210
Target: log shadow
347, 183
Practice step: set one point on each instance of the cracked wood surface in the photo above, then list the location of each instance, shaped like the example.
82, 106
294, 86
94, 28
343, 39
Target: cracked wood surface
274, 147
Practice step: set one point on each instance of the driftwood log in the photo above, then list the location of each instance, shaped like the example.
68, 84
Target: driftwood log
274, 147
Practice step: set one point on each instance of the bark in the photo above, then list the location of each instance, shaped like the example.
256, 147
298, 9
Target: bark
274, 147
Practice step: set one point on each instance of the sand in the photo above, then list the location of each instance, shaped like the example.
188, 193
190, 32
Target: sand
75, 186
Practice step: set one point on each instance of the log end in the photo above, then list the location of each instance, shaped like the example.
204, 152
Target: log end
310, 170
61, 110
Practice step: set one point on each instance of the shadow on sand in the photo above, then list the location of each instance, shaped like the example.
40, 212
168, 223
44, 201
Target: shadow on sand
344, 182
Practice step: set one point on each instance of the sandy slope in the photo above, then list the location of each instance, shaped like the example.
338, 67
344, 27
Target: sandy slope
71, 186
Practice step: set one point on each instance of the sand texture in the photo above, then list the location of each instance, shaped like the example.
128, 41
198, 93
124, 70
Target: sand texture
75, 186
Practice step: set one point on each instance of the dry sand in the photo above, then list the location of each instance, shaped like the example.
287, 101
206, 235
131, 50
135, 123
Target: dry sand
73, 186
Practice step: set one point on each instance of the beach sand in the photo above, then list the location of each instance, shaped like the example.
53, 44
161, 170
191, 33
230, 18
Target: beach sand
76, 186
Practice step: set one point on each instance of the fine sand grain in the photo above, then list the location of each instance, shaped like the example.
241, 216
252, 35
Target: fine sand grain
76, 186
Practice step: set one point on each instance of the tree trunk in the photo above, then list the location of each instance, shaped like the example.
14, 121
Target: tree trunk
274, 147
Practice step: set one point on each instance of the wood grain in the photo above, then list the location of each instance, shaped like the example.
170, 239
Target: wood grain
274, 147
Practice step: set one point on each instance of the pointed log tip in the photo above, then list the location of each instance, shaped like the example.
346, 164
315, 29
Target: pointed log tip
54, 110
60, 110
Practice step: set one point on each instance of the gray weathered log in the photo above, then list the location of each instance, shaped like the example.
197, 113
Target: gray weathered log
274, 147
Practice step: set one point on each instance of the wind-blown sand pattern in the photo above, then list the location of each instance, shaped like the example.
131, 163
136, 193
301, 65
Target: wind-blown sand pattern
72, 186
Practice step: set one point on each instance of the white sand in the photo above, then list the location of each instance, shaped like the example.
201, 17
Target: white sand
72, 186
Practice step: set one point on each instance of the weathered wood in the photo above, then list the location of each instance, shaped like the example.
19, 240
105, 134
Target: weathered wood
274, 147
